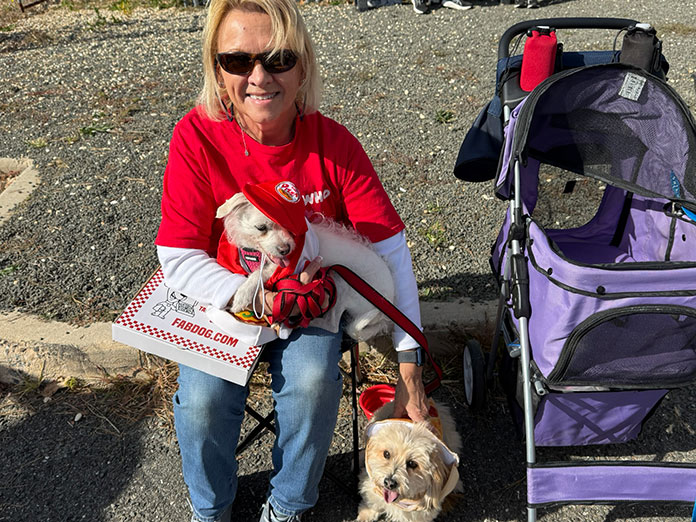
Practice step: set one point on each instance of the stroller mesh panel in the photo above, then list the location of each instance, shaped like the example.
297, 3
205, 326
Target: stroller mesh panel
565, 199
633, 347
590, 142
586, 124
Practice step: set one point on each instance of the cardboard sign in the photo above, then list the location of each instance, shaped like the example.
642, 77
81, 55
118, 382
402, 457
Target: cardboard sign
169, 324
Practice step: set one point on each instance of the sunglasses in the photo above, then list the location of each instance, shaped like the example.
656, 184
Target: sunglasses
243, 63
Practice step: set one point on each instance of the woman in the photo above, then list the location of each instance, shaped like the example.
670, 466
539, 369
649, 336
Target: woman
257, 121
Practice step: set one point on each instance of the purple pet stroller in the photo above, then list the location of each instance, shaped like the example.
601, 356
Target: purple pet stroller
598, 314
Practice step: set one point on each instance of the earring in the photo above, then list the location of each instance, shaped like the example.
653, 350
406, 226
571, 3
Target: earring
301, 111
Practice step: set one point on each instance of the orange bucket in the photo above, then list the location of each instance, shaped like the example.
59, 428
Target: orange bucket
374, 397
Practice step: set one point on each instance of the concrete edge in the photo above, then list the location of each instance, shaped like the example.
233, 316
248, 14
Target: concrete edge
31, 347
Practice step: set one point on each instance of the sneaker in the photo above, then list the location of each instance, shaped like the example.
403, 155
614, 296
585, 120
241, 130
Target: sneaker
361, 5
420, 6
268, 515
457, 4
532, 4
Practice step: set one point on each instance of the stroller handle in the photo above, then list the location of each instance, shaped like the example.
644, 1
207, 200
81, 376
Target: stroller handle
559, 23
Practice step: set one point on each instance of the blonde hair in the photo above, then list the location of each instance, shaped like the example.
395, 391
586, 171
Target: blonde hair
289, 32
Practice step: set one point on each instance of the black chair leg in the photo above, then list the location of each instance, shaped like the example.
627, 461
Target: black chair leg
354, 378
264, 423
350, 486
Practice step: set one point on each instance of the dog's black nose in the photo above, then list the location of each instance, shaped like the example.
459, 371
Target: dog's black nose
284, 250
390, 483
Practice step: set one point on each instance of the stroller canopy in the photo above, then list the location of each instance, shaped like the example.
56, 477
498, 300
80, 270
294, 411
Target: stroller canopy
612, 122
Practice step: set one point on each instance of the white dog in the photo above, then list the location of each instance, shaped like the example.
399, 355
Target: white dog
246, 227
409, 471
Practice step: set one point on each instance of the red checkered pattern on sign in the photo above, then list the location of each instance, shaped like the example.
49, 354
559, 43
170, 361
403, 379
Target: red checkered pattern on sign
245, 361
127, 319
138, 301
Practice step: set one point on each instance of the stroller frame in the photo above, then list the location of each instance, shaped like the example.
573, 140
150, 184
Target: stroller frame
671, 482
681, 479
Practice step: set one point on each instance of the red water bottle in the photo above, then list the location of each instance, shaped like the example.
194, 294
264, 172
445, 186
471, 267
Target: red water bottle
539, 57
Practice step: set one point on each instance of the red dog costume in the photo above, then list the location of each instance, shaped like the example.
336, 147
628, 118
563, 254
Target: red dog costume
281, 202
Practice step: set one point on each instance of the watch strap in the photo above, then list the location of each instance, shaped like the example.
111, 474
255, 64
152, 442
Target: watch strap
411, 356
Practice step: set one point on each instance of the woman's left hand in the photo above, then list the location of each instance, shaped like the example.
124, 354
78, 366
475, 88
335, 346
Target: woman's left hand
306, 276
410, 399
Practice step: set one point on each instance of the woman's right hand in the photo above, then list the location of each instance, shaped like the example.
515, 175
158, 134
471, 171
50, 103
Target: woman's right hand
410, 399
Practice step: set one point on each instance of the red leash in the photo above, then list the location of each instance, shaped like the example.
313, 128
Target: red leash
393, 313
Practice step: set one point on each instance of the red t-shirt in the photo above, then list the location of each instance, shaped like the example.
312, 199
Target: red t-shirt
207, 166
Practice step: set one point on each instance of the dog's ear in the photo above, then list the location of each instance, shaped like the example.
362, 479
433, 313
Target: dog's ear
369, 450
233, 204
438, 477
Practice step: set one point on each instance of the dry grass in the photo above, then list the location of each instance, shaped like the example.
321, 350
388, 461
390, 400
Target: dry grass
9, 15
676, 28
120, 402
10, 12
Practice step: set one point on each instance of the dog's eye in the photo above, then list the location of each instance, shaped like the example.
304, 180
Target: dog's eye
387, 455
261, 228
411, 464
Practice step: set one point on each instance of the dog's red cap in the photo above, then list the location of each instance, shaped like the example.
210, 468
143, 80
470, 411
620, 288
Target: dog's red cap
280, 201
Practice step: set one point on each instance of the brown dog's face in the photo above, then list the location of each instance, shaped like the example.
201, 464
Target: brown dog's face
405, 465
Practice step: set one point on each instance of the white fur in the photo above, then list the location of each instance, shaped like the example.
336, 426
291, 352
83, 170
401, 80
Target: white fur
422, 485
337, 245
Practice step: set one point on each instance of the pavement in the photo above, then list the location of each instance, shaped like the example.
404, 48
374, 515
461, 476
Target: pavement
88, 106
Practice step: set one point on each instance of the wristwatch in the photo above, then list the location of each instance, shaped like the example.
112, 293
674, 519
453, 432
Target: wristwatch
411, 356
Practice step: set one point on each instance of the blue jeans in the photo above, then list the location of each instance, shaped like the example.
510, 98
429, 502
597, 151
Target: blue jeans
208, 413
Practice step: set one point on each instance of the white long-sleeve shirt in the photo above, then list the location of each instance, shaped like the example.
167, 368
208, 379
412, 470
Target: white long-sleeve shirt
194, 273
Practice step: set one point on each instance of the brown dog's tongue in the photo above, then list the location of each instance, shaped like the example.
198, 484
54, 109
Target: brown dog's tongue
389, 495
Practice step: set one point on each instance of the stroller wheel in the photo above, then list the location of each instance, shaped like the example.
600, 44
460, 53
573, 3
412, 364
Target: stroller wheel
474, 375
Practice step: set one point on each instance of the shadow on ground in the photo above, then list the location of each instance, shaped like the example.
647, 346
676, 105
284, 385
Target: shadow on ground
62, 458
80, 456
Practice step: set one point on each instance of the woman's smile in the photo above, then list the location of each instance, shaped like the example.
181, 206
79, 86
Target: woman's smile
262, 97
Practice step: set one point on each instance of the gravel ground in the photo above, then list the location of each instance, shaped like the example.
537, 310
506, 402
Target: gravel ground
107, 468
92, 98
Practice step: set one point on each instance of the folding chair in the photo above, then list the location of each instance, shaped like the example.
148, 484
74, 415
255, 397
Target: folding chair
266, 422
350, 345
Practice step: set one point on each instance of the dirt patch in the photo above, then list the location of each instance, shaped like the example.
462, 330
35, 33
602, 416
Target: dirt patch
6, 178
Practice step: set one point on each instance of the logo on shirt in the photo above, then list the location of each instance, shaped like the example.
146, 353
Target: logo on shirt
288, 191
316, 197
